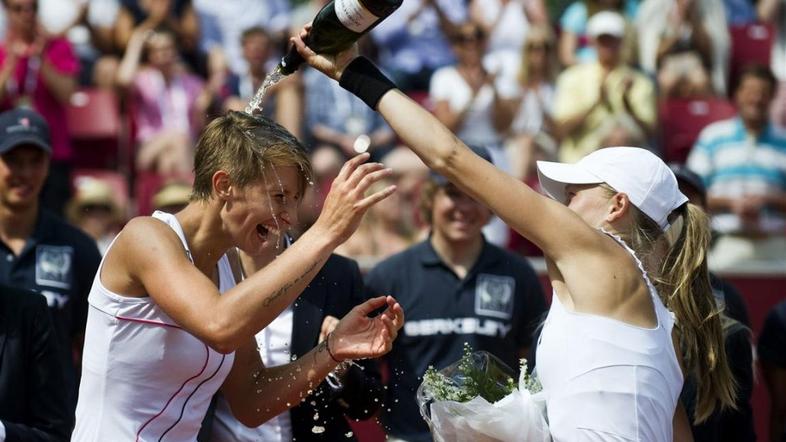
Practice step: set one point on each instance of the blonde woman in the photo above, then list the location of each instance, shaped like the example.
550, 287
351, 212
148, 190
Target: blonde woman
632, 312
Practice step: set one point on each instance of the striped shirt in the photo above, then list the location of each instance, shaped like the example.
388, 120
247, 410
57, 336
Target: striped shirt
735, 164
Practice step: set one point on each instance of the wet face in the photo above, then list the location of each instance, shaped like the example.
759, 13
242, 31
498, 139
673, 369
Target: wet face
21, 14
589, 201
258, 215
457, 217
753, 97
23, 171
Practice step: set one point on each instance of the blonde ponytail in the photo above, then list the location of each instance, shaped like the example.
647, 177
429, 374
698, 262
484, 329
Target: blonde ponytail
685, 284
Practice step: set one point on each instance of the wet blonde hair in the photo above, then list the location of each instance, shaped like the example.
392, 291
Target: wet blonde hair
244, 146
681, 276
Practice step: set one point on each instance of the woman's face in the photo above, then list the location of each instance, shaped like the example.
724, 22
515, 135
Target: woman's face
258, 215
589, 201
468, 44
161, 50
456, 216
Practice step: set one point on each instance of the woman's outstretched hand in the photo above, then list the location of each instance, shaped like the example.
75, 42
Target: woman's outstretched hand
357, 336
331, 65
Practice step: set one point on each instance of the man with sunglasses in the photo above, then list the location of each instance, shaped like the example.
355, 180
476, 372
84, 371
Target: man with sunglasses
39, 71
38, 250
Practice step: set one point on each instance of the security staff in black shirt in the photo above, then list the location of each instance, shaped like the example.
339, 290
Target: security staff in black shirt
455, 288
38, 250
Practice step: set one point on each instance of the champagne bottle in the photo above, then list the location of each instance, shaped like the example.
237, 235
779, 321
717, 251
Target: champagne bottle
337, 26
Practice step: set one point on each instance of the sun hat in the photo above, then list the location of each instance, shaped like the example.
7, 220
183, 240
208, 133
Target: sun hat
649, 183
606, 23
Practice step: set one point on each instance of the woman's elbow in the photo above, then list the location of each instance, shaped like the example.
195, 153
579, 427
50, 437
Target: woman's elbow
221, 337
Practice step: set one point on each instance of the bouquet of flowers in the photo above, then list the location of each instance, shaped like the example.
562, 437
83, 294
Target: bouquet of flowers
476, 400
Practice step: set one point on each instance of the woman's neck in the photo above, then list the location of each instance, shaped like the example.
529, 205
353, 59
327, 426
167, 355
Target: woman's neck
204, 232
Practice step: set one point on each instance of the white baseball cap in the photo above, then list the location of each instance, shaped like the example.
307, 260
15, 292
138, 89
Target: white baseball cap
638, 173
606, 23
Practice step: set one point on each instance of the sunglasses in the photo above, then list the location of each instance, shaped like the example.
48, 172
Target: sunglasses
469, 37
19, 8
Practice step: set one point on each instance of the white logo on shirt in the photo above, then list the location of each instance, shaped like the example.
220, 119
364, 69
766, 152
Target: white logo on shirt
53, 266
494, 295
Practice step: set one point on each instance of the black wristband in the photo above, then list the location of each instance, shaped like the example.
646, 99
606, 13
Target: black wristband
365, 81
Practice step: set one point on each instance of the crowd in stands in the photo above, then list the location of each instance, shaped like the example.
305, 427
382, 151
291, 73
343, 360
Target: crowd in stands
702, 83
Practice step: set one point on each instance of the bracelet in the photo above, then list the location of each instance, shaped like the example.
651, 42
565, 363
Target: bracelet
365, 81
327, 346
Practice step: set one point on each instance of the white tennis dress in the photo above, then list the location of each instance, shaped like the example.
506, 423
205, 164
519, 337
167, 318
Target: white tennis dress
144, 378
606, 380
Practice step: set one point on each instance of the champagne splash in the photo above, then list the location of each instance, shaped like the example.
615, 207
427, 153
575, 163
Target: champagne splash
255, 105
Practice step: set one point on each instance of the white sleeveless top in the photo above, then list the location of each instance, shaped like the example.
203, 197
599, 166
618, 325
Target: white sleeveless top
606, 380
144, 378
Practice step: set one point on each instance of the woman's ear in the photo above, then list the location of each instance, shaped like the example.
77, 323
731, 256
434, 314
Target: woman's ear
619, 205
222, 186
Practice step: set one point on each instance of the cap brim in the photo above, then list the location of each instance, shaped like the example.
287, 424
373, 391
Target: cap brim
554, 177
12, 142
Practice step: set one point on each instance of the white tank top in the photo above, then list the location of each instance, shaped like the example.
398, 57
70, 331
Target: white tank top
144, 378
606, 380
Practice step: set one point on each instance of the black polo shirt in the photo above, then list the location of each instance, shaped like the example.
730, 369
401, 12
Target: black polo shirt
59, 262
495, 308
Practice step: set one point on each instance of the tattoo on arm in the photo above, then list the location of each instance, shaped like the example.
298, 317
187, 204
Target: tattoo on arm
269, 300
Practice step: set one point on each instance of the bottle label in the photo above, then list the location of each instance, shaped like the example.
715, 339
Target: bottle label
353, 15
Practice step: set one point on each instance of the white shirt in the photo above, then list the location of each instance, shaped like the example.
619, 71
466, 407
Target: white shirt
2, 432
143, 376
274, 343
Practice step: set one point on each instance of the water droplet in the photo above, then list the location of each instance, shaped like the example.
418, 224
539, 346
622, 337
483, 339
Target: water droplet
348, 435
316, 429
316, 416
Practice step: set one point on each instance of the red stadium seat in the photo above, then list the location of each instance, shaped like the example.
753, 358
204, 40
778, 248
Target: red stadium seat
750, 44
681, 120
96, 129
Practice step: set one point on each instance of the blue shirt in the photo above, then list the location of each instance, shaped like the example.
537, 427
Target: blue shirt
734, 164
495, 308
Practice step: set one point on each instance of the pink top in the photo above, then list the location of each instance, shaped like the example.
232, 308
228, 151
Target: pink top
27, 81
159, 105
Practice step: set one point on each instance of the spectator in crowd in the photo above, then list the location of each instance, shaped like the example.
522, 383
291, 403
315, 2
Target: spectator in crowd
172, 196
386, 229
169, 103
40, 72
222, 23
41, 252
413, 42
283, 102
456, 288
177, 15
351, 390
774, 13
469, 98
507, 24
742, 161
605, 102
97, 210
534, 101
731, 424
33, 395
336, 119
740, 12
685, 43
575, 40
772, 354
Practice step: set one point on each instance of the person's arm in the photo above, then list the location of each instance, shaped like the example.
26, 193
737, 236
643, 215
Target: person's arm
775, 378
148, 255
49, 416
519, 206
125, 26
566, 48
256, 393
131, 58
766, 10
8, 69
681, 425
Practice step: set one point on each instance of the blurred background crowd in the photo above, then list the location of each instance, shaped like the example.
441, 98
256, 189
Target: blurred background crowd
127, 85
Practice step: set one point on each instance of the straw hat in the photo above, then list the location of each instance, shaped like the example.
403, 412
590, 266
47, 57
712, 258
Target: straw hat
175, 193
91, 191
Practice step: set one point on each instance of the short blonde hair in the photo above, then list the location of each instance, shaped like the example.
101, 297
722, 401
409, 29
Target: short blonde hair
244, 146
